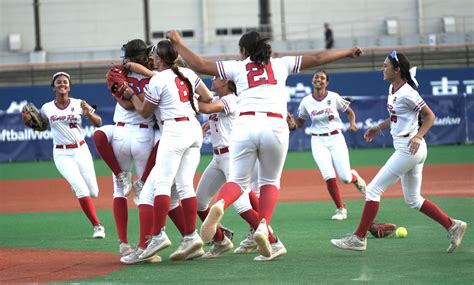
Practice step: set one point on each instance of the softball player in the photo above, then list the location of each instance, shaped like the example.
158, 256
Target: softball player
223, 112
328, 145
71, 154
404, 105
261, 131
179, 152
129, 140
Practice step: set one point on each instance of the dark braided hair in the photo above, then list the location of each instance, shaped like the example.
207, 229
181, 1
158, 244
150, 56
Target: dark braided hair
169, 55
404, 66
257, 47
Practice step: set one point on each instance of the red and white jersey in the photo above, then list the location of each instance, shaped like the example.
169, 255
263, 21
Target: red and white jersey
324, 112
221, 123
403, 106
65, 124
170, 93
138, 83
261, 88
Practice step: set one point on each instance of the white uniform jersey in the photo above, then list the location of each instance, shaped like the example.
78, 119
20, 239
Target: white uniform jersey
323, 112
138, 83
171, 94
403, 106
221, 123
261, 89
66, 124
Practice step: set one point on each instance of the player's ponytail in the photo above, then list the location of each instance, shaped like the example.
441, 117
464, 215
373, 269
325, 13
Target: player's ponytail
257, 48
169, 55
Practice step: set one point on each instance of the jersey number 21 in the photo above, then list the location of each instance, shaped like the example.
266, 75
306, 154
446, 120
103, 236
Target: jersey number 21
256, 76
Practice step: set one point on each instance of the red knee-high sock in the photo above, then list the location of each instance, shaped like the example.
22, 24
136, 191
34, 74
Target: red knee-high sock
368, 216
120, 209
253, 200
251, 217
219, 236
334, 192
88, 208
145, 214
230, 192
267, 202
177, 216
433, 211
354, 179
190, 214
104, 148
161, 207
150, 163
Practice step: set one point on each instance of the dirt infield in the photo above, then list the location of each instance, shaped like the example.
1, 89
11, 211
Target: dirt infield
41, 266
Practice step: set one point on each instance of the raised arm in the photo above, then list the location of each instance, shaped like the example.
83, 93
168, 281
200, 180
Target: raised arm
328, 56
138, 68
209, 108
193, 61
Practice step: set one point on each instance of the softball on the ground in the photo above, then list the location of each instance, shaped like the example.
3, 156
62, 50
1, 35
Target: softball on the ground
401, 232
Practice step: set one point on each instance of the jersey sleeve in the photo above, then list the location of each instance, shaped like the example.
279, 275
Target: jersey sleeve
230, 103
292, 63
43, 113
414, 101
227, 69
192, 76
302, 112
341, 103
153, 91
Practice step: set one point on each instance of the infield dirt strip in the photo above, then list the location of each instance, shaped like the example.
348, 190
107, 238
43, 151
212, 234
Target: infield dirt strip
41, 266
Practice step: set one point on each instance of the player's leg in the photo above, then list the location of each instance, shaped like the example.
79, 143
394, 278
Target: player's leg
211, 181
65, 162
320, 148
102, 138
272, 150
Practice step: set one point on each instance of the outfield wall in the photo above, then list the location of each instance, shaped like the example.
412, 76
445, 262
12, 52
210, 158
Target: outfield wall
452, 102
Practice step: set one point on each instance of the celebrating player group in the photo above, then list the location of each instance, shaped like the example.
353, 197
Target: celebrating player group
159, 95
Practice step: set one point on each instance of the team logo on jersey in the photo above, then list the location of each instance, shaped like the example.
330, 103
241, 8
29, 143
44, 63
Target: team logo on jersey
329, 102
394, 99
72, 109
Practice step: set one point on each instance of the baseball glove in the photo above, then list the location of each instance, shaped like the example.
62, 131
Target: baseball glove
117, 80
381, 230
36, 122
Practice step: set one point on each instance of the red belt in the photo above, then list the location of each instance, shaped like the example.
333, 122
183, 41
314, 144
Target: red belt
221, 150
141, 126
269, 114
335, 132
180, 119
67, 146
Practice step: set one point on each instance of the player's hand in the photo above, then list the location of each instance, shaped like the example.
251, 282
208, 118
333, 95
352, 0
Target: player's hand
356, 52
85, 107
127, 93
353, 128
371, 133
174, 37
414, 144
290, 120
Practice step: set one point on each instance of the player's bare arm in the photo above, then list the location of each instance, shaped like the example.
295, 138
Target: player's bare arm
138, 68
89, 113
428, 120
351, 117
144, 108
372, 132
193, 61
204, 94
209, 108
328, 56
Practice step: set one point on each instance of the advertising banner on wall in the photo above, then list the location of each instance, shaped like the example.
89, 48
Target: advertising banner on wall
454, 124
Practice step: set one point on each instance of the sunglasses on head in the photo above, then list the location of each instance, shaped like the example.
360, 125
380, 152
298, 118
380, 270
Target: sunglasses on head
393, 55
154, 51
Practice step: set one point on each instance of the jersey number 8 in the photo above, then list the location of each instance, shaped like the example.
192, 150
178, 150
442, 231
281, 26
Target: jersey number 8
182, 89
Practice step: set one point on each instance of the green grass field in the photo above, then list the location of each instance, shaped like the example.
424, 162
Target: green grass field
305, 229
